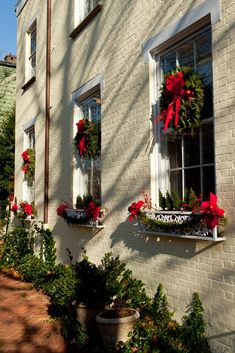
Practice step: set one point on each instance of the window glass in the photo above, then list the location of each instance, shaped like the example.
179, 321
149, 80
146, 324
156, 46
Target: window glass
188, 161
29, 185
89, 178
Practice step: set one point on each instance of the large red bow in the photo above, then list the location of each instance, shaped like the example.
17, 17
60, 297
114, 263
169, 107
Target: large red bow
174, 85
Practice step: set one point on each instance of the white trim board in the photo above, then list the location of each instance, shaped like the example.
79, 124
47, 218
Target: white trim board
98, 80
209, 7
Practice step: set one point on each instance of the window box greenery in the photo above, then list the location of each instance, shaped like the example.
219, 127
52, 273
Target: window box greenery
86, 212
189, 218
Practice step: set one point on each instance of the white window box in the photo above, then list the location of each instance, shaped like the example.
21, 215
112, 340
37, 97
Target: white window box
178, 224
78, 217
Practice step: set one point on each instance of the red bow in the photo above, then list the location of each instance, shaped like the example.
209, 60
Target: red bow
174, 85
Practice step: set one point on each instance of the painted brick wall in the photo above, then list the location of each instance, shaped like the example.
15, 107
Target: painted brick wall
112, 45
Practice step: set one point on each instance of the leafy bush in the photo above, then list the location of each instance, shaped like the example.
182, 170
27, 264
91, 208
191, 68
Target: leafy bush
121, 289
17, 244
157, 332
33, 270
47, 250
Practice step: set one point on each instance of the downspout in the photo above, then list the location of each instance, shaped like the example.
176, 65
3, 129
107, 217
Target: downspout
47, 108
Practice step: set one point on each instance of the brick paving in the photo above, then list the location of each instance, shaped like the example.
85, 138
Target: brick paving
25, 326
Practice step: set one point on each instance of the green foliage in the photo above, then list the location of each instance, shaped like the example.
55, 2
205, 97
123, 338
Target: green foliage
29, 166
17, 244
191, 202
194, 328
7, 154
62, 287
157, 332
33, 270
169, 201
91, 289
84, 201
162, 200
122, 290
89, 133
47, 250
191, 106
176, 201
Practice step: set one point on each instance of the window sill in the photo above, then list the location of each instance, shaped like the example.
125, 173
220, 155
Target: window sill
178, 224
86, 20
182, 236
29, 83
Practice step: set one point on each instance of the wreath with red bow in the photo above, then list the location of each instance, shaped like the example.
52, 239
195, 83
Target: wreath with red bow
86, 139
29, 162
181, 100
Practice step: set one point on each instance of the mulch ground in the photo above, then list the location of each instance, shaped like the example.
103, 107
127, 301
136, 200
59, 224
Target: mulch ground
25, 326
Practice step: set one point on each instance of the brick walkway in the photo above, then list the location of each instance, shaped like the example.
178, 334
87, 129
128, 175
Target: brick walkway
25, 326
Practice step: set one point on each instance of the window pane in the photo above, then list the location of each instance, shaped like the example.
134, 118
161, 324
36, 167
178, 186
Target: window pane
207, 143
91, 170
33, 43
168, 63
185, 55
174, 152
204, 69
176, 182
208, 181
192, 179
191, 150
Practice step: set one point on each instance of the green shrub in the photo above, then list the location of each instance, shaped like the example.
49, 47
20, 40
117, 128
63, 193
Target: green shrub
47, 250
33, 269
194, 328
17, 244
121, 289
157, 332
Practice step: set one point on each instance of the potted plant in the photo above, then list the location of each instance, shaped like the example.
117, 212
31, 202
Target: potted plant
86, 211
91, 292
124, 296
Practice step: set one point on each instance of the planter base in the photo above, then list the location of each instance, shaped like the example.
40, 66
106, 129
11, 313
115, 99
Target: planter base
114, 330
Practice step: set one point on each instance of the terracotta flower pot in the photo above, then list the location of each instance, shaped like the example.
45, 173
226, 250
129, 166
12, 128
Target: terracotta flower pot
115, 326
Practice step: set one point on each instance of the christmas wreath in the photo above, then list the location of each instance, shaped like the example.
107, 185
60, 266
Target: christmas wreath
29, 162
181, 100
86, 139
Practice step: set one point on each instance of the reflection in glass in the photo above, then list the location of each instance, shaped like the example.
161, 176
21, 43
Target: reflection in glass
192, 179
208, 181
207, 143
176, 182
191, 149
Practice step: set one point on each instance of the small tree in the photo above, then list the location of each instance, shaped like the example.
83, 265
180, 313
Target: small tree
7, 154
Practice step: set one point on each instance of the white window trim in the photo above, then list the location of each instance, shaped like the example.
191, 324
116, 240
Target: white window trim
208, 7
29, 72
77, 95
26, 127
184, 26
79, 10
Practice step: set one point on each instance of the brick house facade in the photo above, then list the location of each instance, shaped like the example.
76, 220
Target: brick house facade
113, 53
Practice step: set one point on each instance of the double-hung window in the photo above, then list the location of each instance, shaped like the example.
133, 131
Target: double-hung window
188, 161
31, 50
28, 183
83, 8
88, 171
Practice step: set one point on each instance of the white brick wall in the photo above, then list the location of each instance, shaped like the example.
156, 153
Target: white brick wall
112, 45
